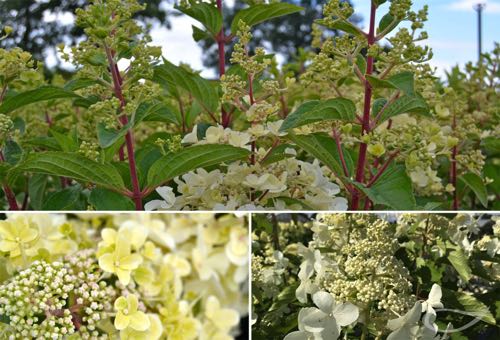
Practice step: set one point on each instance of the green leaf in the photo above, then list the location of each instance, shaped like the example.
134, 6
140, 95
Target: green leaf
81, 83
377, 105
67, 141
393, 189
70, 165
403, 81
323, 147
262, 12
473, 305
191, 158
361, 63
154, 112
206, 14
277, 154
387, 23
405, 104
40, 94
103, 200
174, 77
36, 190
491, 145
343, 25
458, 260
66, 199
146, 111
12, 152
199, 34
320, 111
108, 137
475, 182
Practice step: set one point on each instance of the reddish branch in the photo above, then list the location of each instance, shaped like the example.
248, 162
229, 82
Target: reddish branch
360, 168
129, 140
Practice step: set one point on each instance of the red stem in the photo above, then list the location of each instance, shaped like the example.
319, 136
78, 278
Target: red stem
382, 169
129, 139
336, 136
360, 168
252, 101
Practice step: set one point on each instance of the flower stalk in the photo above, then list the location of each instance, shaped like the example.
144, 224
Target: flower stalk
129, 139
365, 124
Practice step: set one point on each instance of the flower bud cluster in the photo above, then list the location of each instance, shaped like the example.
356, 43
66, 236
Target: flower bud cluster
368, 272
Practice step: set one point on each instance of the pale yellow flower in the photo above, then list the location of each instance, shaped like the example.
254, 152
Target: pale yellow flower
128, 316
121, 261
16, 236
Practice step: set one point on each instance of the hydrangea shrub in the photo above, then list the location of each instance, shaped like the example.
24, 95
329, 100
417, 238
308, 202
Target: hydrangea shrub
123, 276
359, 120
366, 276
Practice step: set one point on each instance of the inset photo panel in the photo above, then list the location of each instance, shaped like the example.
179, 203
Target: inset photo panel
395, 276
124, 276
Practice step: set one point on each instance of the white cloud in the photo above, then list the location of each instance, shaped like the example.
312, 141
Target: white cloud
468, 5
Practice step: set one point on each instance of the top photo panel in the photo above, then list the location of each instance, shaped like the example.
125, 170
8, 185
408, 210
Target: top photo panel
250, 105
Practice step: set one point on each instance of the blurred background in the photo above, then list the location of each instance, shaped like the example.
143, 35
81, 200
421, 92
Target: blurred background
40, 25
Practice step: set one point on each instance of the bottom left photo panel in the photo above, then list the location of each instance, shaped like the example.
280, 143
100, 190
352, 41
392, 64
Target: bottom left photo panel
124, 276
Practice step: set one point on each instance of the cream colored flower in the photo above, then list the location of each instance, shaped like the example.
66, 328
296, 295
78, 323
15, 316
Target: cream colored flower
127, 315
120, 262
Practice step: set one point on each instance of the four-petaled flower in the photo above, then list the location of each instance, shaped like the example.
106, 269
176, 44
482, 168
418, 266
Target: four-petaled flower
121, 261
16, 235
127, 314
324, 322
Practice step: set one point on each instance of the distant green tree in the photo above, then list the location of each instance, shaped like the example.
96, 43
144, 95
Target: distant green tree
34, 34
283, 35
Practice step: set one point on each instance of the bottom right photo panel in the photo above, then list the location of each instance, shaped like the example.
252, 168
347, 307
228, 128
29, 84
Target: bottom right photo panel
396, 276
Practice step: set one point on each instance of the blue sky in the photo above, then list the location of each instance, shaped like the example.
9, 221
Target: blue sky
451, 27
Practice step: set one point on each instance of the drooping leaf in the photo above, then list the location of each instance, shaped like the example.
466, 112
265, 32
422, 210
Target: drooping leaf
191, 158
323, 147
473, 305
393, 189
206, 14
71, 165
405, 104
320, 111
175, 77
256, 14
476, 184
103, 200
458, 260
40, 94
